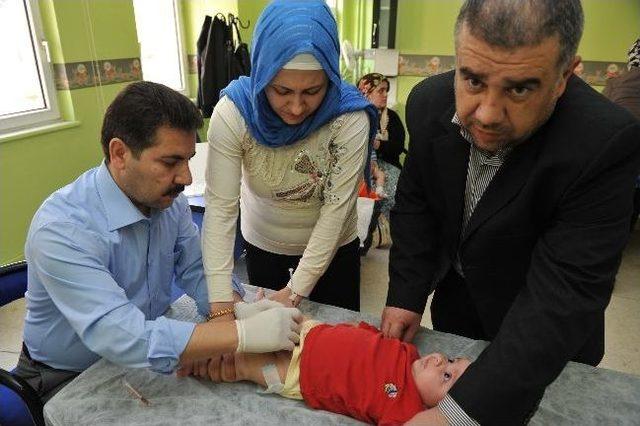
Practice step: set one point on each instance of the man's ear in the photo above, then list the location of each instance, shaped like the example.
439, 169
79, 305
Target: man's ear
119, 153
571, 67
566, 73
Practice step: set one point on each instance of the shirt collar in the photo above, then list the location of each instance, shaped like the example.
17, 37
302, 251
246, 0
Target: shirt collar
119, 209
486, 157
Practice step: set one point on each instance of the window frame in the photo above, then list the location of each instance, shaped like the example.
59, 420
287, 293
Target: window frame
182, 53
51, 113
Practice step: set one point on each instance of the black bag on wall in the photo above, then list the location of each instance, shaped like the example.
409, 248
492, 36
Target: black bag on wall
219, 61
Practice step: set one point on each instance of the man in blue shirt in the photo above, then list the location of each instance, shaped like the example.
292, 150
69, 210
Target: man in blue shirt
103, 251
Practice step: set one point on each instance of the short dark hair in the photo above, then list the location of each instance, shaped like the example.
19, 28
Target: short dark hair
517, 23
140, 109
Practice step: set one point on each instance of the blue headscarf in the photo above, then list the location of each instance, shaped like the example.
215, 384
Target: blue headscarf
285, 29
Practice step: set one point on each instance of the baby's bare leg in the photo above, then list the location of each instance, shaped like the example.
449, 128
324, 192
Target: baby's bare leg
248, 367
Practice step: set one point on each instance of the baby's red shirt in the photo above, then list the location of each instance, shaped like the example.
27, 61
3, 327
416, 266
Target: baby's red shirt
357, 372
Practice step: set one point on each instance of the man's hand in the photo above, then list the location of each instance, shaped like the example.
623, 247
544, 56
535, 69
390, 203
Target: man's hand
219, 306
269, 331
430, 417
222, 369
197, 368
400, 323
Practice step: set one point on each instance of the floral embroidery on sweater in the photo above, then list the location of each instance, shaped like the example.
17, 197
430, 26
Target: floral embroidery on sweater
320, 167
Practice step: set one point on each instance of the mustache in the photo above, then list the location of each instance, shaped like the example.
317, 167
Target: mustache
495, 128
175, 190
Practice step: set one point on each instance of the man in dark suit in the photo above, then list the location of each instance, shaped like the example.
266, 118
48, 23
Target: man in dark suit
513, 205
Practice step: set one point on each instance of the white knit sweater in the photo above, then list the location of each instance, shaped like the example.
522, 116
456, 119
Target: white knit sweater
295, 200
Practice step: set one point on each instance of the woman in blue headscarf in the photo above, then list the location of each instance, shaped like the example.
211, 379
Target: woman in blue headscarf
290, 142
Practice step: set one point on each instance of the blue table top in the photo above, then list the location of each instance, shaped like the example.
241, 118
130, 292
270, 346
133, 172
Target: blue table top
196, 202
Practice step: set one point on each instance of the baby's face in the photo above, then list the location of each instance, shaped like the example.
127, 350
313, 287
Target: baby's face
434, 375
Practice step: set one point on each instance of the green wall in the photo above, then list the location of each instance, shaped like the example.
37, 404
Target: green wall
610, 28
35, 164
423, 27
426, 27
249, 10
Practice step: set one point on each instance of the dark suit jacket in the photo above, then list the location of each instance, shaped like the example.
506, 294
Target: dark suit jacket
542, 247
391, 149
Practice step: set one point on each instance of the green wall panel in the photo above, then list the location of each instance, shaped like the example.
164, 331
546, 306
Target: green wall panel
73, 29
249, 10
34, 166
80, 30
113, 28
611, 26
426, 27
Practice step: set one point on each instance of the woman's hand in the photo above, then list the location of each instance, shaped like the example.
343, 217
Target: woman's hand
376, 143
219, 306
245, 310
284, 296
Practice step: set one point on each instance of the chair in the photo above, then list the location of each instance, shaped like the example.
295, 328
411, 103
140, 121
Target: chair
21, 405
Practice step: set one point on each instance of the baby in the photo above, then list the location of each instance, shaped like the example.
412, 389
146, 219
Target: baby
352, 370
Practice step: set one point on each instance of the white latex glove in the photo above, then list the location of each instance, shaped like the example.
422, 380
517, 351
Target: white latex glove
269, 331
245, 310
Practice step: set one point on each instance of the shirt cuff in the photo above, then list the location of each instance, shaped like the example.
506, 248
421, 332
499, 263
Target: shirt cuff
302, 283
167, 341
454, 413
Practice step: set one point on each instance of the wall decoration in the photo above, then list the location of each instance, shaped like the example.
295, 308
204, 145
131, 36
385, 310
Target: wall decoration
424, 65
596, 73
79, 75
74, 75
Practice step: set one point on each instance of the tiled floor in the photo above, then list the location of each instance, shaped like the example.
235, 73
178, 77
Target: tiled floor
622, 316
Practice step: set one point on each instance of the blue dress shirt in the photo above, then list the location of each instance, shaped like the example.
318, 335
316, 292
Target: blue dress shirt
100, 276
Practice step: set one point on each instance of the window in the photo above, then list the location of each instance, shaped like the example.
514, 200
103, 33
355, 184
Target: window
160, 38
26, 86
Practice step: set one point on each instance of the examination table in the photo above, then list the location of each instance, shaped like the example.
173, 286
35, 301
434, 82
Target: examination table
582, 395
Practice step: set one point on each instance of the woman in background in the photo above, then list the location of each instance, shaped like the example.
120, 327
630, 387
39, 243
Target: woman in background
389, 140
289, 143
